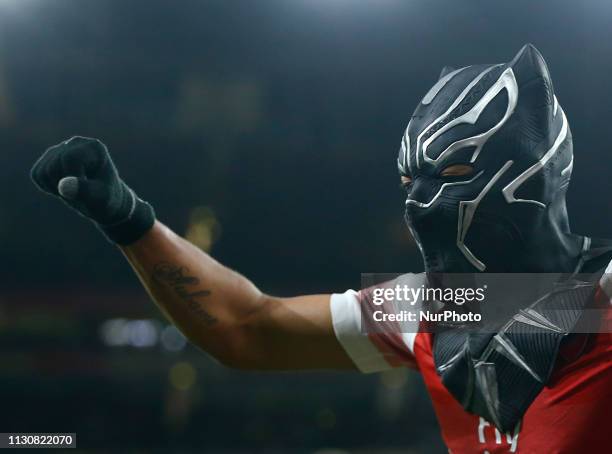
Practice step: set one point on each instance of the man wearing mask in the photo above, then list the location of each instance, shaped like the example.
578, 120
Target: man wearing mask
486, 160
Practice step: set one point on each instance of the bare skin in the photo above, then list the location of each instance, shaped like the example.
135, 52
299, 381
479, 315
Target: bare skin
224, 314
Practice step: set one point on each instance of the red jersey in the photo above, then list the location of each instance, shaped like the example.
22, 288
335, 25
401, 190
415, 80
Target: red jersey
571, 414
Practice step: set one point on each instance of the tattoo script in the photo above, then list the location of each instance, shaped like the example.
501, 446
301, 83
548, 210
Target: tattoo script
178, 278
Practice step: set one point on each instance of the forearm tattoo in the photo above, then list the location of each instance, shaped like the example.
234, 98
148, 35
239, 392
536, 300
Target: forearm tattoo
182, 283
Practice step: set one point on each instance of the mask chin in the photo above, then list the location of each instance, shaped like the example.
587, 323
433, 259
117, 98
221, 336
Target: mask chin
436, 233
492, 240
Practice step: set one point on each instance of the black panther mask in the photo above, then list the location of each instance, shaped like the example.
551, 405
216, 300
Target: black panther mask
509, 214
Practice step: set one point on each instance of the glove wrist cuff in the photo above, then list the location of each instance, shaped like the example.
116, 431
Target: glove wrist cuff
138, 222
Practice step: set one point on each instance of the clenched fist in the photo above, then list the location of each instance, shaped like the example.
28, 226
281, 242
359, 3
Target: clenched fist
81, 172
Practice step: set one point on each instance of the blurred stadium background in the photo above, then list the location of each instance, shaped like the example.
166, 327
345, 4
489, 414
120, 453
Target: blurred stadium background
266, 132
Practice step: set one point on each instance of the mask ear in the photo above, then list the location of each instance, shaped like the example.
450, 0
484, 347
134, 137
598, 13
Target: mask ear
446, 71
530, 70
536, 95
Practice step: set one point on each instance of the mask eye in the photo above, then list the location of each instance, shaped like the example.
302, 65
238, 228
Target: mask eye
405, 181
457, 170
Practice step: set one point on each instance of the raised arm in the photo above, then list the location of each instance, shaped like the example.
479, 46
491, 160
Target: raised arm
216, 308
226, 315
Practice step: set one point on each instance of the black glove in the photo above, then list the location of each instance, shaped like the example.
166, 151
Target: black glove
80, 172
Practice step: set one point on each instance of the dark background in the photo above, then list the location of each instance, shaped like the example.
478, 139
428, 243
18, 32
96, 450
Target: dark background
266, 131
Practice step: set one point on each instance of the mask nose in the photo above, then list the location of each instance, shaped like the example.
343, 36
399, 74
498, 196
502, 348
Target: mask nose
423, 193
